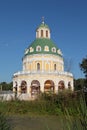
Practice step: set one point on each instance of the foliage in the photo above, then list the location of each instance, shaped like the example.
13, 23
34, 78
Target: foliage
49, 104
6, 86
67, 104
3, 123
80, 122
79, 84
83, 66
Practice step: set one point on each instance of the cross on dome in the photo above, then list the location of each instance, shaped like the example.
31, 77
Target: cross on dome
43, 20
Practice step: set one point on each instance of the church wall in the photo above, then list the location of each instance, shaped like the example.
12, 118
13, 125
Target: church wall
42, 79
30, 63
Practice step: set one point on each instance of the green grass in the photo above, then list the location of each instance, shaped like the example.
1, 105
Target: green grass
65, 111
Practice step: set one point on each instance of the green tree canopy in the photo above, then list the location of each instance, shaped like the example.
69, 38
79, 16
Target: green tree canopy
83, 66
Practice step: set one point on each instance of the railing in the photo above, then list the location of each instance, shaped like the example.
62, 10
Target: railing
42, 72
6, 92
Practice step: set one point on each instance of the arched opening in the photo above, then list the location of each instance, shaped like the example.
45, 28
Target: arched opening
54, 67
35, 88
46, 33
69, 85
41, 33
23, 86
46, 48
38, 66
61, 85
38, 48
49, 86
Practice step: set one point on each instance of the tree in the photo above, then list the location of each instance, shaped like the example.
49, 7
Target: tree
79, 84
6, 86
83, 66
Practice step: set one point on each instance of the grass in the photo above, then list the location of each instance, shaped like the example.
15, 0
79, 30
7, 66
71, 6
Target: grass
65, 111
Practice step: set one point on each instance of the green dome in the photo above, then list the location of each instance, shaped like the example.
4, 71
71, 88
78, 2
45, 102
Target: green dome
42, 44
43, 25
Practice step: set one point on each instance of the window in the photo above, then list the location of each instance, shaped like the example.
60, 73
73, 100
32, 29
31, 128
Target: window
38, 48
38, 66
46, 33
59, 52
54, 66
53, 49
46, 48
41, 33
31, 49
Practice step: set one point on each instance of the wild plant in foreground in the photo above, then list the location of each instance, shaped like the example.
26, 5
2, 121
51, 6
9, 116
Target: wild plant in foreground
3, 123
76, 122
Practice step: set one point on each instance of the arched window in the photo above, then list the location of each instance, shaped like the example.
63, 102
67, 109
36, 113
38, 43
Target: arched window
35, 88
41, 33
38, 48
46, 33
38, 66
49, 86
46, 48
23, 86
54, 66
53, 49
31, 49
61, 85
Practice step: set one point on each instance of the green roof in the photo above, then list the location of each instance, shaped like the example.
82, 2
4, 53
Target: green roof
42, 42
43, 25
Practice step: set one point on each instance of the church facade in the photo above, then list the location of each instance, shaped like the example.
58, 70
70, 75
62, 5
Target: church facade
43, 67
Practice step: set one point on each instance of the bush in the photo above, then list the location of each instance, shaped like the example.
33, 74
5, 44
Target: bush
3, 123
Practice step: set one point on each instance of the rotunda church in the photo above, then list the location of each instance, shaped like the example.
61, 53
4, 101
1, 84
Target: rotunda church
43, 68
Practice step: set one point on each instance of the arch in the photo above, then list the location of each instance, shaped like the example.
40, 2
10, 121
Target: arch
69, 85
46, 33
23, 86
54, 67
61, 85
46, 48
41, 33
35, 88
53, 49
49, 86
38, 48
38, 66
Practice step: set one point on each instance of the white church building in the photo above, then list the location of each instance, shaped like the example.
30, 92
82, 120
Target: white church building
43, 68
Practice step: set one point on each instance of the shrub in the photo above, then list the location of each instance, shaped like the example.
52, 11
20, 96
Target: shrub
3, 123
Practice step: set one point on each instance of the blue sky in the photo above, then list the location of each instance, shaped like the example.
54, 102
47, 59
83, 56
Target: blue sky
19, 20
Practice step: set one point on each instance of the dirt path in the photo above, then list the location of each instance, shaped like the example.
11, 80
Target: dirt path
35, 123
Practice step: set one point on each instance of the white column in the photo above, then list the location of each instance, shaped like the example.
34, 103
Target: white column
41, 85
28, 87
56, 86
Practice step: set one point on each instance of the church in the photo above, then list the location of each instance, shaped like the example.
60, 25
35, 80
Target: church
43, 68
